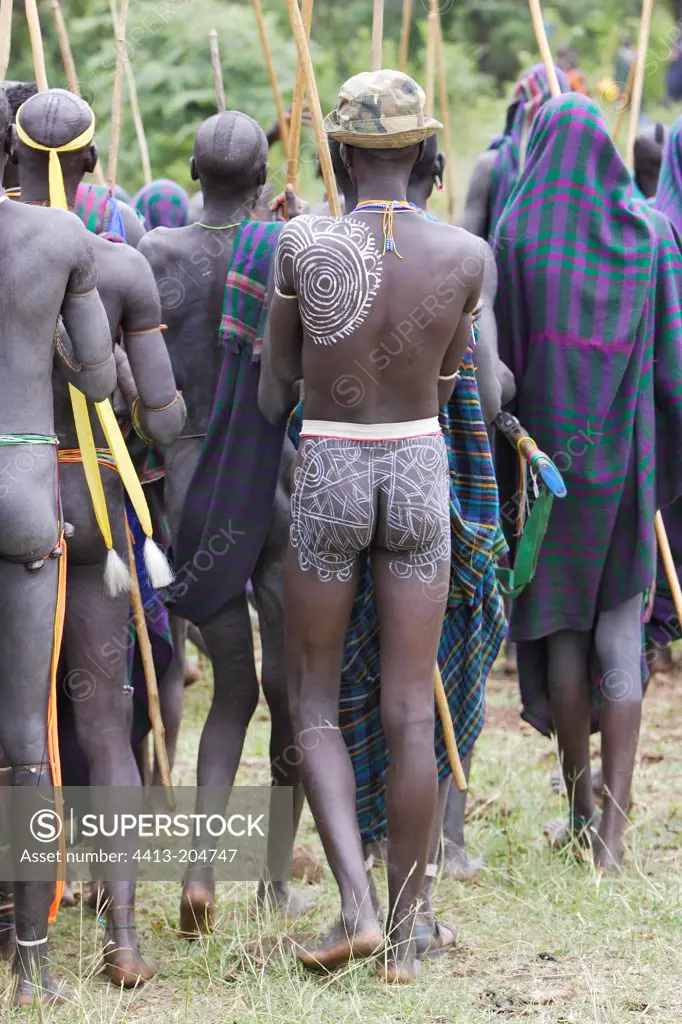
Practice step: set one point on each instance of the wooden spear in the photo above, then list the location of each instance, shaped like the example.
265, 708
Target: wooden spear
272, 75
431, 44
377, 34
448, 731
297, 103
543, 45
638, 82
217, 70
627, 94
70, 69
36, 45
117, 94
153, 705
134, 105
405, 34
315, 108
445, 118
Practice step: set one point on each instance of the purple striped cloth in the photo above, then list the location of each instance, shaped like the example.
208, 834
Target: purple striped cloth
589, 315
530, 93
669, 191
162, 204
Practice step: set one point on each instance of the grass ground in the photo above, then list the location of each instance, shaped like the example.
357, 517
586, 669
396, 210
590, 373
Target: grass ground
540, 937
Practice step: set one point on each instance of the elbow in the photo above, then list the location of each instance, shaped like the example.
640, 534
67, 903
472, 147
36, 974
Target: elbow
164, 425
98, 383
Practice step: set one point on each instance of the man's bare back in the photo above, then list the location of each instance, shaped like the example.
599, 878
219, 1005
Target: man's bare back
377, 331
31, 302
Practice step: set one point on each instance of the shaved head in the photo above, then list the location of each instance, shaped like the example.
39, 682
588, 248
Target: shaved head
230, 152
55, 117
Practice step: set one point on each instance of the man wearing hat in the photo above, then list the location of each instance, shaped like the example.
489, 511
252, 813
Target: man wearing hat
373, 313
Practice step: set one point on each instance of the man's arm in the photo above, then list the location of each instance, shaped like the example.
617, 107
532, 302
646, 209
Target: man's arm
85, 356
496, 385
476, 205
160, 407
453, 358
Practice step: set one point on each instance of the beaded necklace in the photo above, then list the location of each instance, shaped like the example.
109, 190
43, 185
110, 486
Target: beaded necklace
388, 208
215, 227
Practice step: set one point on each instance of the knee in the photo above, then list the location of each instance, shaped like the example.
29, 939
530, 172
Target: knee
405, 722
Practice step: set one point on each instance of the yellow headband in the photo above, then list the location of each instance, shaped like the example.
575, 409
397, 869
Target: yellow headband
56, 178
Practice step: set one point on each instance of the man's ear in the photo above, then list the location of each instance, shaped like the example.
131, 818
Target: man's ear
439, 168
263, 175
12, 144
193, 173
90, 161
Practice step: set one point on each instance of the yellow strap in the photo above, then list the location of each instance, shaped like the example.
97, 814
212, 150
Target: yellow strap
56, 178
126, 469
86, 443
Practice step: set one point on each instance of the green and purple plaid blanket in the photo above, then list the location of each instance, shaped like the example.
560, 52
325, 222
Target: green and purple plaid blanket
590, 322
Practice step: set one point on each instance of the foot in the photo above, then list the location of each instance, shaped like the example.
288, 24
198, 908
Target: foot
401, 966
29, 993
278, 897
124, 965
343, 944
197, 911
459, 864
577, 833
432, 938
609, 850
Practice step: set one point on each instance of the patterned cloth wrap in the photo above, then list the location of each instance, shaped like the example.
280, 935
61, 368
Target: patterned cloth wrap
162, 204
530, 93
99, 210
474, 624
589, 318
664, 625
235, 480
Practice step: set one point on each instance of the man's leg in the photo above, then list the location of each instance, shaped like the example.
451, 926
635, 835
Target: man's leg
618, 642
172, 691
457, 861
229, 641
27, 610
316, 619
410, 623
103, 717
571, 708
268, 588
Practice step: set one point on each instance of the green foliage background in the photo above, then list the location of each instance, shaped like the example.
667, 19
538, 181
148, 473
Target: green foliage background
487, 42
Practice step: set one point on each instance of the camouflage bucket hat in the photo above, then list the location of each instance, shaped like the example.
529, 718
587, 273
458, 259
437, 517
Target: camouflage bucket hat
380, 110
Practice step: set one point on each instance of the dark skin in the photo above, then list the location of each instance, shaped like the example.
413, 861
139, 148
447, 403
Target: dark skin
317, 613
191, 265
649, 146
103, 721
38, 283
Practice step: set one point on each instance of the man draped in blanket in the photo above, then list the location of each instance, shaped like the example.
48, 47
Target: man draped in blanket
589, 321
664, 626
372, 478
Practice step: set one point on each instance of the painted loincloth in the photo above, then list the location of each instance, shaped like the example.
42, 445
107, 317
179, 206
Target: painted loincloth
474, 623
228, 508
348, 492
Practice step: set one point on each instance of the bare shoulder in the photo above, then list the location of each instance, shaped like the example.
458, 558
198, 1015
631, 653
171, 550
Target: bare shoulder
159, 244
463, 243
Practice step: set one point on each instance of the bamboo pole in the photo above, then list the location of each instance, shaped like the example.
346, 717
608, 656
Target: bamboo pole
669, 563
638, 82
315, 109
272, 75
543, 46
36, 45
405, 35
626, 103
448, 731
431, 44
217, 70
377, 34
153, 705
117, 93
5, 36
134, 104
297, 103
445, 118
65, 48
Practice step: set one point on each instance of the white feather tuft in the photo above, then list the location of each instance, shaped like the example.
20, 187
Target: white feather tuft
160, 572
116, 575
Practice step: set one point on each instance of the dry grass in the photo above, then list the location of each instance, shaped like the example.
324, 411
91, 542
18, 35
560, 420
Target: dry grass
540, 937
